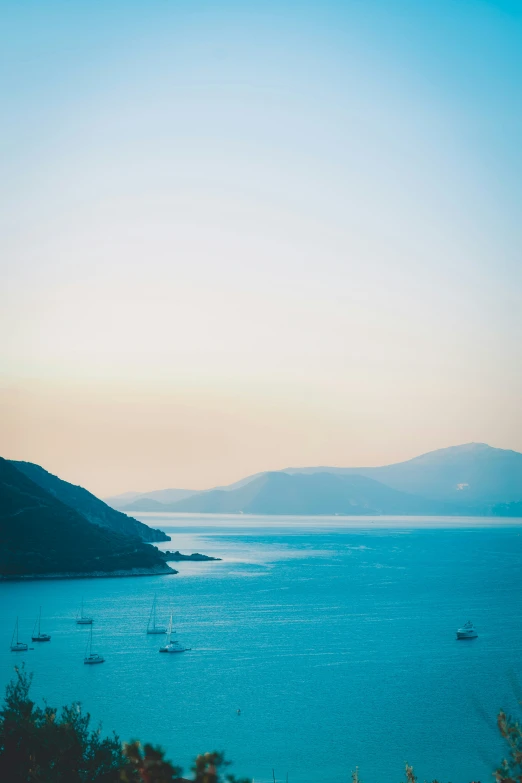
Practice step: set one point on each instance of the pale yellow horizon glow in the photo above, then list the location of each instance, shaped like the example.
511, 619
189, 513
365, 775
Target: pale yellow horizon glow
116, 437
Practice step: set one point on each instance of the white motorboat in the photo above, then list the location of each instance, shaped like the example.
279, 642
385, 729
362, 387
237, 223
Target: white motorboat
467, 631
171, 646
17, 646
92, 657
39, 636
82, 618
152, 628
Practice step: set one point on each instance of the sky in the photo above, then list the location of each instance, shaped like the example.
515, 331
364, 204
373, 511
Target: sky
239, 236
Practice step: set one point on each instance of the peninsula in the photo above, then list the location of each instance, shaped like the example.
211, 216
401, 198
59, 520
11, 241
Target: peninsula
42, 537
178, 557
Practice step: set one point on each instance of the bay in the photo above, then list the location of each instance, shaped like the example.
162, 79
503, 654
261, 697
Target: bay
335, 637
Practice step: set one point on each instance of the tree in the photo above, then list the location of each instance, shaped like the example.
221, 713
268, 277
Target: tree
42, 745
147, 765
510, 770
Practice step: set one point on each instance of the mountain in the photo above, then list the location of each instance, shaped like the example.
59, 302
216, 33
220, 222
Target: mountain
157, 499
148, 501
470, 479
316, 494
115, 501
40, 535
472, 474
89, 506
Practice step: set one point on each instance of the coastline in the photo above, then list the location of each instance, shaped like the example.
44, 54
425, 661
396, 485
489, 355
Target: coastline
157, 571
195, 557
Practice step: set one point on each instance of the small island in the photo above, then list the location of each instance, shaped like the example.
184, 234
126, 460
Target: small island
177, 556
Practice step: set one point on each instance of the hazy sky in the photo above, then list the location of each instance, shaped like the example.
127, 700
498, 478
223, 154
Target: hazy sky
242, 236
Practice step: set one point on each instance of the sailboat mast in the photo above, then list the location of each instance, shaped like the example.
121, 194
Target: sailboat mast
154, 613
39, 620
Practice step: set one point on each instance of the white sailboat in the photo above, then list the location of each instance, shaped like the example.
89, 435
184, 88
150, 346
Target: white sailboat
17, 646
92, 657
82, 619
39, 636
152, 628
171, 646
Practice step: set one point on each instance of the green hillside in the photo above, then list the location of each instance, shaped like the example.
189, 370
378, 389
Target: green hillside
41, 535
92, 508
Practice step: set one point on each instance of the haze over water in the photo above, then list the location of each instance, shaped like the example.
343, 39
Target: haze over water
335, 638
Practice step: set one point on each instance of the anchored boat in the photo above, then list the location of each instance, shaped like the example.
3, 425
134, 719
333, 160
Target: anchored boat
82, 618
467, 631
17, 646
152, 628
171, 646
92, 657
39, 636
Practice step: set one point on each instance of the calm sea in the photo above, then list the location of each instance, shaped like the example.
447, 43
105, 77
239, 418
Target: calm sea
334, 637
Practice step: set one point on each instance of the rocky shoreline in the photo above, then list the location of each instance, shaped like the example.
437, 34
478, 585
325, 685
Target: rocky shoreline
157, 570
177, 557
160, 570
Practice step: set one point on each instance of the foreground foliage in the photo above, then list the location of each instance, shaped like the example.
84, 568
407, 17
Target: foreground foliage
510, 771
44, 745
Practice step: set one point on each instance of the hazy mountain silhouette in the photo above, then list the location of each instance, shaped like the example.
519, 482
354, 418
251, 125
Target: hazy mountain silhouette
90, 507
148, 501
319, 493
41, 535
468, 474
158, 498
470, 479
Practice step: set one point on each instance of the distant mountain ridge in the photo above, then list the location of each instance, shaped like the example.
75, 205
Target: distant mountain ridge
147, 500
470, 473
316, 494
471, 479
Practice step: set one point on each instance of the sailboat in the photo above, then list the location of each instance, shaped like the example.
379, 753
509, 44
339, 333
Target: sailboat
92, 657
82, 619
171, 646
40, 637
151, 625
17, 646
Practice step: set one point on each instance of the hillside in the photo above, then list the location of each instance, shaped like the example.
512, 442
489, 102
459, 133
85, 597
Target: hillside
146, 501
317, 494
90, 507
41, 535
472, 474
470, 479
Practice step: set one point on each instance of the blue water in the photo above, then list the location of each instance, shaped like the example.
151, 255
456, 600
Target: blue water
335, 638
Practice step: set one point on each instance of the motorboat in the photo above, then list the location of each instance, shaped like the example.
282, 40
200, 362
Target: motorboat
39, 636
467, 631
152, 628
16, 644
171, 646
92, 657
